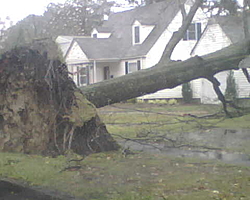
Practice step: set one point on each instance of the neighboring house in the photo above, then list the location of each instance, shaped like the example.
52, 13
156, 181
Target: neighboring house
220, 32
130, 41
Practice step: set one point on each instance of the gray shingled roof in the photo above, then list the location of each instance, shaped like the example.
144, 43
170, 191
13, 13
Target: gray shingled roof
100, 48
232, 27
119, 45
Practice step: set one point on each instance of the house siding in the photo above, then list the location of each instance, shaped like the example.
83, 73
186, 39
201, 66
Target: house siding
213, 40
242, 84
76, 55
155, 53
115, 70
181, 52
145, 31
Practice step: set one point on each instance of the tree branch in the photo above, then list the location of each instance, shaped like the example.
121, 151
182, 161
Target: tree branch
177, 36
183, 11
165, 76
246, 32
220, 95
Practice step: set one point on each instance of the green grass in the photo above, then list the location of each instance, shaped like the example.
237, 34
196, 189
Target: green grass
142, 176
110, 176
131, 119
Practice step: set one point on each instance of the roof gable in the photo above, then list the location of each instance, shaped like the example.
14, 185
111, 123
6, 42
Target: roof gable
232, 27
75, 55
222, 31
120, 44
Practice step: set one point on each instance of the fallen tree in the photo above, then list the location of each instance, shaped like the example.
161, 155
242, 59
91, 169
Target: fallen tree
41, 110
168, 75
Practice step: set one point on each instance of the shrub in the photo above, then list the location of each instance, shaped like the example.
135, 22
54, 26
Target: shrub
172, 102
131, 100
187, 92
231, 92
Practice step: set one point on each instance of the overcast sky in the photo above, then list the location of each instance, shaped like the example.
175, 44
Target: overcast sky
19, 9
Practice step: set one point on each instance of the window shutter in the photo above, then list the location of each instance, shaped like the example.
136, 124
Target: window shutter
186, 35
198, 30
126, 67
138, 65
87, 67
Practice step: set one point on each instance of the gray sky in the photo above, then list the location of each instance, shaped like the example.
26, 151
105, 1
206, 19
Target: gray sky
19, 9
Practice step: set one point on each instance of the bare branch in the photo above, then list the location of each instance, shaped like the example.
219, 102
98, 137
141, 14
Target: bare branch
245, 19
183, 11
220, 95
177, 36
246, 32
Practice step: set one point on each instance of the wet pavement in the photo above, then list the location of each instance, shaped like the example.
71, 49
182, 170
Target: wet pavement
12, 191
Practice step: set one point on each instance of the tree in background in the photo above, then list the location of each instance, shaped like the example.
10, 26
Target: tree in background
218, 7
74, 17
4, 25
231, 92
25, 32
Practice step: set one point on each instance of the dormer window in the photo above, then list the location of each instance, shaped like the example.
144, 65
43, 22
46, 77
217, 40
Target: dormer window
140, 32
193, 32
137, 34
101, 32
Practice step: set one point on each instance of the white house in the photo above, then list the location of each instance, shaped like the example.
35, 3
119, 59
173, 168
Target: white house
129, 41
220, 32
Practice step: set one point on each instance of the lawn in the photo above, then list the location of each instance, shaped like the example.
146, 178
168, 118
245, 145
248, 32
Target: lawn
110, 175
106, 176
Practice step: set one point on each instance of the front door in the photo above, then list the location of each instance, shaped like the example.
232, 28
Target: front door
106, 73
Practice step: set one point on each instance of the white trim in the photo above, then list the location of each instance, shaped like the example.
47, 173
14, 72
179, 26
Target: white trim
94, 72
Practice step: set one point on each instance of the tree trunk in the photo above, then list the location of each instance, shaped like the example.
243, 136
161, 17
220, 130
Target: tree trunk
163, 76
41, 110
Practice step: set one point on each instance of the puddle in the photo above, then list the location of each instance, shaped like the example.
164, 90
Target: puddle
218, 138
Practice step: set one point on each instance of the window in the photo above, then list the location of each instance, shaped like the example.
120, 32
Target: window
82, 78
137, 34
95, 35
132, 66
193, 32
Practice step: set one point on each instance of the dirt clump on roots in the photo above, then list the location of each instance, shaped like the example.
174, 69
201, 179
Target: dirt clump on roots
42, 111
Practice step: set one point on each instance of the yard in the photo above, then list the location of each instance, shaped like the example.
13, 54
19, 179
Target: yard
150, 175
